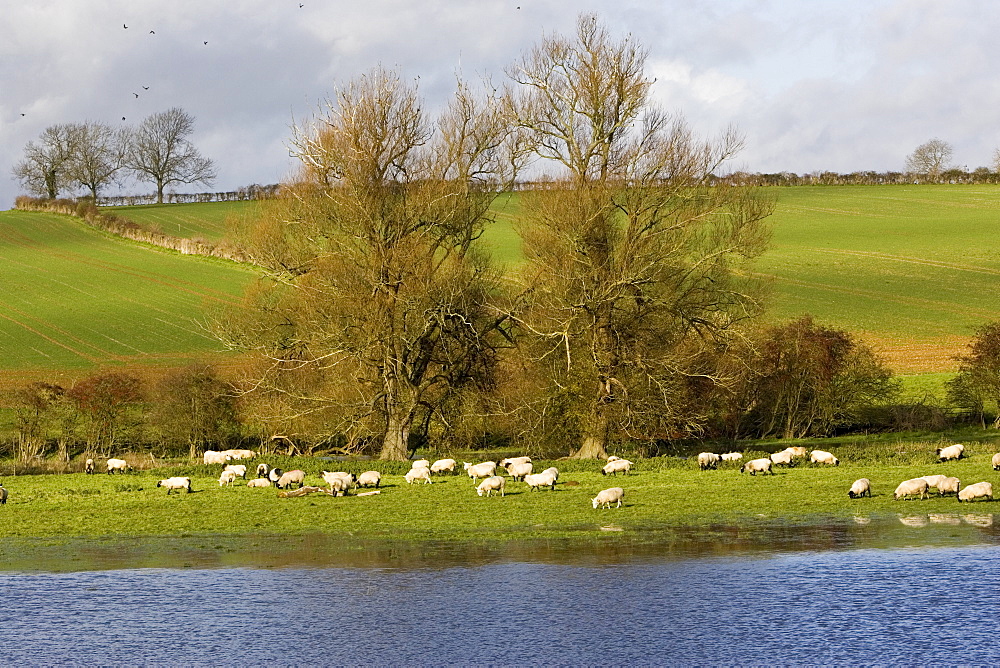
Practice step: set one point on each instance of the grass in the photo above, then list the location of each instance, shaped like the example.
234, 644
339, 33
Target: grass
206, 221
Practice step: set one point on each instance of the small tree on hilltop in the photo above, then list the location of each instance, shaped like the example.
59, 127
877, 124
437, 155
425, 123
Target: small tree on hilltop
160, 152
930, 159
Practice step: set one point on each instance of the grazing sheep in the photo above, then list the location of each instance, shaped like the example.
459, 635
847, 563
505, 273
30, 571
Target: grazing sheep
951, 452
823, 457
239, 454
911, 487
213, 457
339, 486
613, 467
330, 475
796, 450
546, 478
177, 483
708, 460
732, 456
239, 469
480, 470
519, 469
227, 478
3, 495
613, 458
422, 473
996, 462
949, 486
933, 480
259, 482
420, 464
861, 487
755, 466
274, 475
262, 470
513, 460
981, 490
442, 465
608, 496
88, 466
119, 465
552, 469
783, 458
491, 484
369, 479
289, 478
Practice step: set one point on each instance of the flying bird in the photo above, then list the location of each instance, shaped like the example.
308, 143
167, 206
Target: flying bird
145, 87
125, 26
136, 95
205, 43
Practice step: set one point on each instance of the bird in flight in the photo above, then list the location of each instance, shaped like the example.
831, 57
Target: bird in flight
144, 88
206, 43
136, 95
152, 32
125, 26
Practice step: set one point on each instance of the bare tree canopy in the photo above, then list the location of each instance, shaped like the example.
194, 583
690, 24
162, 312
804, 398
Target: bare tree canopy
930, 159
160, 152
45, 169
97, 159
635, 257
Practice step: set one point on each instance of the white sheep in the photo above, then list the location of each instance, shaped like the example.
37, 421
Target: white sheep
117, 465
480, 470
996, 462
442, 465
708, 460
784, 458
616, 466
949, 486
239, 469
227, 478
491, 484
177, 482
796, 450
88, 466
981, 490
213, 457
330, 476
239, 454
546, 478
420, 464
608, 496
259, 482
339, 485
613, 458
933, 480
951, 452
422, 473
519, 469
274, 475
369, 479
732, 456
553, 470
262, 470
860, 487
513, 460
289, 478
910, 487
3, 495
823, 457
755, 466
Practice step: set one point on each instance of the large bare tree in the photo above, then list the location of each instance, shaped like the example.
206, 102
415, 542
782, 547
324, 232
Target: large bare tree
930, 159
375, 309
98, 156
45, 168
161, 153
635, 247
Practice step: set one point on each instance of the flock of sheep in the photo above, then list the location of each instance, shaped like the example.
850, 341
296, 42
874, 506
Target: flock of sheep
862, 487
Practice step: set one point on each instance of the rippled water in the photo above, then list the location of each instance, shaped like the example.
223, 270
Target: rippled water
913, 606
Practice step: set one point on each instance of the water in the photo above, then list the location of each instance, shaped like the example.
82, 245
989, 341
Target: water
900, 606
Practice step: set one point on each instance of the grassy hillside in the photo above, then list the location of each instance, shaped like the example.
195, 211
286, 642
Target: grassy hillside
205, 221
73, 298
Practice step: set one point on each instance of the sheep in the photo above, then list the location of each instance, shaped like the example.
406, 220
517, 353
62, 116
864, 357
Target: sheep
911, 487
519, 469
442, 465
480, 470
613, 458
339, 485
240, 454
274, 475
288, 478
213, 457
262, 470
513, 460
996, 462
420, 464
784, 458
949, 486
951, 452
933, 480
177, 482
239, 469
755, 466
546, 478
119, 465
732, 456
861, 487
796, 450
708, 460
329, 477
422, 473
553, 470
88, 466
981, 490
608, 496
369, 479
823, 457
491, 484
227, 478
3, 495
613, 467
259, 482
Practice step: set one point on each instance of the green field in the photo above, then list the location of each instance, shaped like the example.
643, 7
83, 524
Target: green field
205, 221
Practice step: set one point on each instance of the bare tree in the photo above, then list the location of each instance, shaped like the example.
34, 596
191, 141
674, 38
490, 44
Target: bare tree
930, 159
45, 169
376, 309
634, 248
159, 152
98, 156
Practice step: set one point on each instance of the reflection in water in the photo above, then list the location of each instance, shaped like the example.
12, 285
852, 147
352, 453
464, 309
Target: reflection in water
862, 606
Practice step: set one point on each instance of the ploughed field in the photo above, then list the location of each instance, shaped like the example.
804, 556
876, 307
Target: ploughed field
911, 270
660, 493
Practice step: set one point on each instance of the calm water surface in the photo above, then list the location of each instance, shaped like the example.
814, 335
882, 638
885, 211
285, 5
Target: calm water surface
910, 606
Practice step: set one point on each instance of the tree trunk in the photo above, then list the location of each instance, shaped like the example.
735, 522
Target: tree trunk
395, 444
595, 435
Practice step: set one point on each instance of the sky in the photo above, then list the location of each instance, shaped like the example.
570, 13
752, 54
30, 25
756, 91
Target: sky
823, 85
